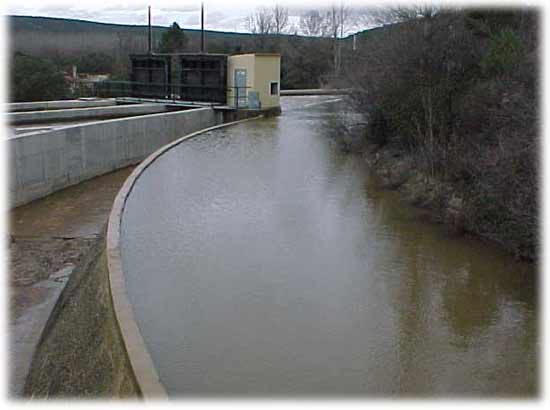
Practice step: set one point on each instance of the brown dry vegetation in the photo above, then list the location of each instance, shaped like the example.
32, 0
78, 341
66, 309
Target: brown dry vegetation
454, 94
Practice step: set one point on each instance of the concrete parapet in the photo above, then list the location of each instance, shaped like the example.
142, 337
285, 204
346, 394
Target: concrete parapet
72, 114
46, 161
59, 105
231, 114
337, 91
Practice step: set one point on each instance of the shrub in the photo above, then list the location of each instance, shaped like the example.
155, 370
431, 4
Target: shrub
378, 129
457, 93
36, 79
504, 54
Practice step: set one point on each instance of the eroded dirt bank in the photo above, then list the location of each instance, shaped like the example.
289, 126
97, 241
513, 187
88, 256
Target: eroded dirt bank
439, 200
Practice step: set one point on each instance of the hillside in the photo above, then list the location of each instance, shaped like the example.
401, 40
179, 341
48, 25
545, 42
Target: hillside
66, 42
47, 36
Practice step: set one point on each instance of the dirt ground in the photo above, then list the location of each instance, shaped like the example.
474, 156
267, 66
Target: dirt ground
48, 239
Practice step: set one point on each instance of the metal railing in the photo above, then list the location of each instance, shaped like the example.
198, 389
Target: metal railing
240, 99
164, 91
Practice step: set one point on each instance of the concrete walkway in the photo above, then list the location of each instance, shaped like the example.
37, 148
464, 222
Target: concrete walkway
49, 237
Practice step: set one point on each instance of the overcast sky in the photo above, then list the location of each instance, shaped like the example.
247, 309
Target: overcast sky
222, 15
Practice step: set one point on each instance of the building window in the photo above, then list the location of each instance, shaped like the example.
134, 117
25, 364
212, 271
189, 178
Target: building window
274, 88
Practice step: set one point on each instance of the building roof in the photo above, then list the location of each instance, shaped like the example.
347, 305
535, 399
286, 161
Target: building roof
258, 54
143, 55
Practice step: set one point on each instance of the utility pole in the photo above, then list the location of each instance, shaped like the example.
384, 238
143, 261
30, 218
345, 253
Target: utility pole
202, 27
150, 36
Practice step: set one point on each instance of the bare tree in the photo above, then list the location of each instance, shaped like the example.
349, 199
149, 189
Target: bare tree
261, 21
332, 21
337, 20
280, 18
312, 23
398, 14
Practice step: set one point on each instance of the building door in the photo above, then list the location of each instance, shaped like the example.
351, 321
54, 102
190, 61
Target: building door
240, 88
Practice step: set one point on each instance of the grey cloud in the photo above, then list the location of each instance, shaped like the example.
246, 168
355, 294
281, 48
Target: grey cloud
118, 7
181, 9
190, 20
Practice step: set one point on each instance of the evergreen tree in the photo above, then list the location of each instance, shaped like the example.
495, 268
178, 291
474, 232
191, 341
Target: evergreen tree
173, 40
36, 79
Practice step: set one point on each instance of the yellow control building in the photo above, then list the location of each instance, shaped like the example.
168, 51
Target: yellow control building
254, 80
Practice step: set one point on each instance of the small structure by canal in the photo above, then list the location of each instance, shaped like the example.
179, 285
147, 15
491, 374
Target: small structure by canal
260, 259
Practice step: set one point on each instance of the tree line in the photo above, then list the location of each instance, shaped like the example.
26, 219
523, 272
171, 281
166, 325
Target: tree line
454, 94
330, 22
307, 61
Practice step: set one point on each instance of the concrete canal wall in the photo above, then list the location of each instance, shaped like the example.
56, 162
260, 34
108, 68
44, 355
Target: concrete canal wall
61, 104
73, 114
319, 91
44, 162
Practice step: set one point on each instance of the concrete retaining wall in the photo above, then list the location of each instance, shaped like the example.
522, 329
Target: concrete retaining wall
45, 162
59, 105
72, 114
337, 91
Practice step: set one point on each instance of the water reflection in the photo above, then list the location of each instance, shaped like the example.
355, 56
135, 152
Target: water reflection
460, 300
261, 259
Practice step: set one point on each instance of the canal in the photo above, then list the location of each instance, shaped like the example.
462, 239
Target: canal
261, 259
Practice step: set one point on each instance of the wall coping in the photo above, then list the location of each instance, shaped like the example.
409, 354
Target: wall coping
140, 360
32, 133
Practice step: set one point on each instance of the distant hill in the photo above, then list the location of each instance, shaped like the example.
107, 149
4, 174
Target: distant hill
305, 60
47, 36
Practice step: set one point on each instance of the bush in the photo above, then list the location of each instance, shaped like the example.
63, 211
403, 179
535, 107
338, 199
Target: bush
36, 79
457, 93
378, 130
504, 54
95, 63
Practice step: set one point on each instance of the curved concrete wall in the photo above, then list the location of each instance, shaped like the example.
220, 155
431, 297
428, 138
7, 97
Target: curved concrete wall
143, 369
43, 162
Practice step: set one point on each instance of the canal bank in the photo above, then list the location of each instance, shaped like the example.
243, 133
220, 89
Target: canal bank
280, 269
452, 203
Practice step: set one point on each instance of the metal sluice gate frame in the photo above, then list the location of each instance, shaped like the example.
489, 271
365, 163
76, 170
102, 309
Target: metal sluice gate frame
147, 90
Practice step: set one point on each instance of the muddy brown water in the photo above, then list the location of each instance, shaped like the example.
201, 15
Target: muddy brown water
261, 260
